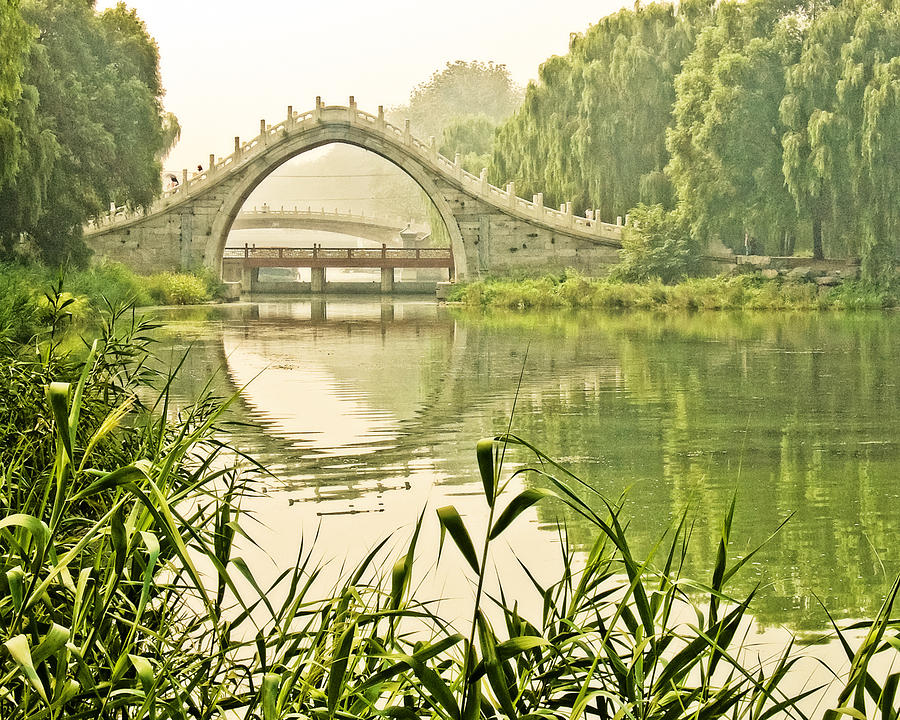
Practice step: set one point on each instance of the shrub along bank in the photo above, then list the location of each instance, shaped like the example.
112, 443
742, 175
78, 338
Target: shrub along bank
110, 502
24, 303
749, 291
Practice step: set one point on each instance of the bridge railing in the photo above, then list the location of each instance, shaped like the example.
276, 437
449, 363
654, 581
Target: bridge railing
295, 121
323, 214
377, 256
318, 251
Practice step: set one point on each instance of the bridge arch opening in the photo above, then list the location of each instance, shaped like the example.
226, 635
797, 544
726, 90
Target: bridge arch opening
267, 164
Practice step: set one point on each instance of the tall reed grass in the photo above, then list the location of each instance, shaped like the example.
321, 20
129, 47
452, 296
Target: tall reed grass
123, 593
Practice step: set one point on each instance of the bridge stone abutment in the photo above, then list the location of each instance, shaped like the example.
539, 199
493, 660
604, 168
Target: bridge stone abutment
491, 230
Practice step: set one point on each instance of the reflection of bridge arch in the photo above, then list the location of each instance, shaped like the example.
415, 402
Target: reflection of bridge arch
490, 229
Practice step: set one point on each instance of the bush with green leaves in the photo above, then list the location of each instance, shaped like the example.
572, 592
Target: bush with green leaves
657, 243
171, 288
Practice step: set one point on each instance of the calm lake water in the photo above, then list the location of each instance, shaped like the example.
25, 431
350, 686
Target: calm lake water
366, 412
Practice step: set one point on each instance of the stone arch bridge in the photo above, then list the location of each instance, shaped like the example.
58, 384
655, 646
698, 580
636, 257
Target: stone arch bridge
491, 229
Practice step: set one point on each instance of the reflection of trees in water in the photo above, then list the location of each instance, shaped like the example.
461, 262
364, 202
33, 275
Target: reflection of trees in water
795, 413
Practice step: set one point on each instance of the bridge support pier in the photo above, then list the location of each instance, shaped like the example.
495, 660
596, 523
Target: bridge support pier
249, 278
387, 279
317, 280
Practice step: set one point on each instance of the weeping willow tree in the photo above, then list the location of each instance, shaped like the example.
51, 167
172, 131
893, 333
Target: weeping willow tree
726, 136
89, 127
592, 130
842, 115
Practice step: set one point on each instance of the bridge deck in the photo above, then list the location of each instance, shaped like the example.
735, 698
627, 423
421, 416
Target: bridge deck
322, 257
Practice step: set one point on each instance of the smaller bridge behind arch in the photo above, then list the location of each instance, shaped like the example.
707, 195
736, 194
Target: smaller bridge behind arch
244, 263
375, 228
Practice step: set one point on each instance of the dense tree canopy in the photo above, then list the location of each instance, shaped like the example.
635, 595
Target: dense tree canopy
14, 38
472, 136
842, 141
89, 123
725, 138
771, 124
592, 131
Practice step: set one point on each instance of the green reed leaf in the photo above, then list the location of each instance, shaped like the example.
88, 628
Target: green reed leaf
58, 397
119, 477
38, 530
20, 651
438, 690
55, 639
269, 692
452, 522
493, 666
484, 451
338, 668
519, 504
888, 693
144, 671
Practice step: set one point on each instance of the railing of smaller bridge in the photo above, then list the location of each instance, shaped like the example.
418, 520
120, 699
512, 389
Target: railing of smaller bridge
321, 214
378, 256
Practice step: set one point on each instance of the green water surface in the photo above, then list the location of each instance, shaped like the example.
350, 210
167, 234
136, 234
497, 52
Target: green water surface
364, 410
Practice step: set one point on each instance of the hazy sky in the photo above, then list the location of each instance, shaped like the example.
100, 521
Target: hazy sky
226, 64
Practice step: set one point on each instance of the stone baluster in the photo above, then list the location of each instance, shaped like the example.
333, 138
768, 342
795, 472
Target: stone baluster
212, 164
406, 134
263, 135
237, 147
538, 201
185, 181
618, 221
432, 149
627, 217
351, 110
511, 194
571, 218
290, 116
379, 123
317, 113
485, 185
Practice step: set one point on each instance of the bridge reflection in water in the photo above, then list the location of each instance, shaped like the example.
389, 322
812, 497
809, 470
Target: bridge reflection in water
374, 408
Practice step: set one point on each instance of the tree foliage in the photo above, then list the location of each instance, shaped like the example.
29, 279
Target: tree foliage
14, 39
841, 110
592, 130
472, 136
771, 124
657, 244
461, 88
725, 139
89, 124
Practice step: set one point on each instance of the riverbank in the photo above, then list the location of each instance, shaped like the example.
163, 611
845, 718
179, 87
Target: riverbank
25, 292
742, 292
